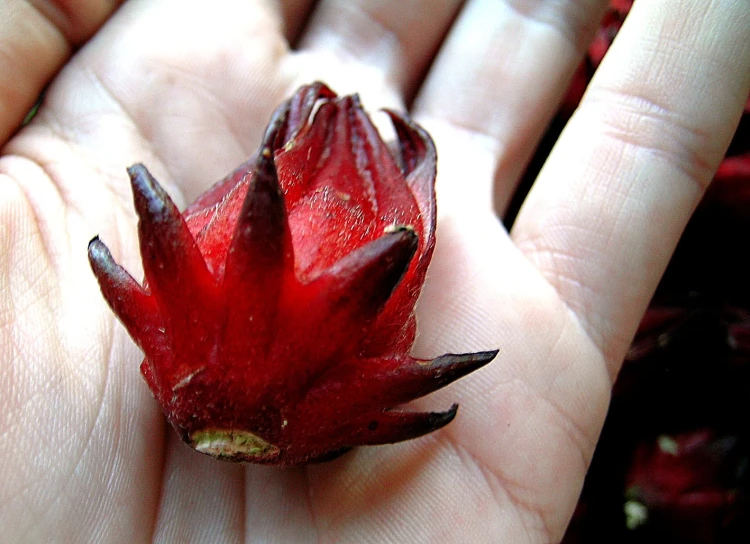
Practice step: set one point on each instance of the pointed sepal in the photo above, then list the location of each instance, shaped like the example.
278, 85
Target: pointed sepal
348, 296
389, 427
360, 283
259, 262
392, 426
136, 308
175, 270
378, 384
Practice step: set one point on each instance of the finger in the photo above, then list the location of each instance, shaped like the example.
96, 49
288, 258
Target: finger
392, 42
615, 194
36, 38
201, 500
158, 94
494, 87
277, 505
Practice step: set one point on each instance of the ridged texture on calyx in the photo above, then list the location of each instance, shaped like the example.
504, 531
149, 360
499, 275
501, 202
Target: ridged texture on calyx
276, 314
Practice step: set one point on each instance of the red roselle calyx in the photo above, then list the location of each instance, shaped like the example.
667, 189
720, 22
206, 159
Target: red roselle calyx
276, 315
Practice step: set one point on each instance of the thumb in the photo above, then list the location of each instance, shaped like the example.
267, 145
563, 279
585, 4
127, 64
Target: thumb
36, 39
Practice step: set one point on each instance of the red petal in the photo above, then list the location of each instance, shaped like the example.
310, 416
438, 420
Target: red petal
343, 184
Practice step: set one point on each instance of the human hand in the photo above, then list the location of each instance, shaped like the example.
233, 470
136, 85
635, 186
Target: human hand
188, 90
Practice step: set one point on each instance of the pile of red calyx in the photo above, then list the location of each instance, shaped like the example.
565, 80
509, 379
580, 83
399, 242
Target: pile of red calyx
277, 311
673, 461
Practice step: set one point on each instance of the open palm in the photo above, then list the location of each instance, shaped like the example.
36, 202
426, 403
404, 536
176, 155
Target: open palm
187, 89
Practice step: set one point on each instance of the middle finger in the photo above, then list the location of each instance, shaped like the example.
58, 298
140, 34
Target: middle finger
494, 87
391, 43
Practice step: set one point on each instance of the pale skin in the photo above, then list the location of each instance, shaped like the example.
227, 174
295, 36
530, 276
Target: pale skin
85, 455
